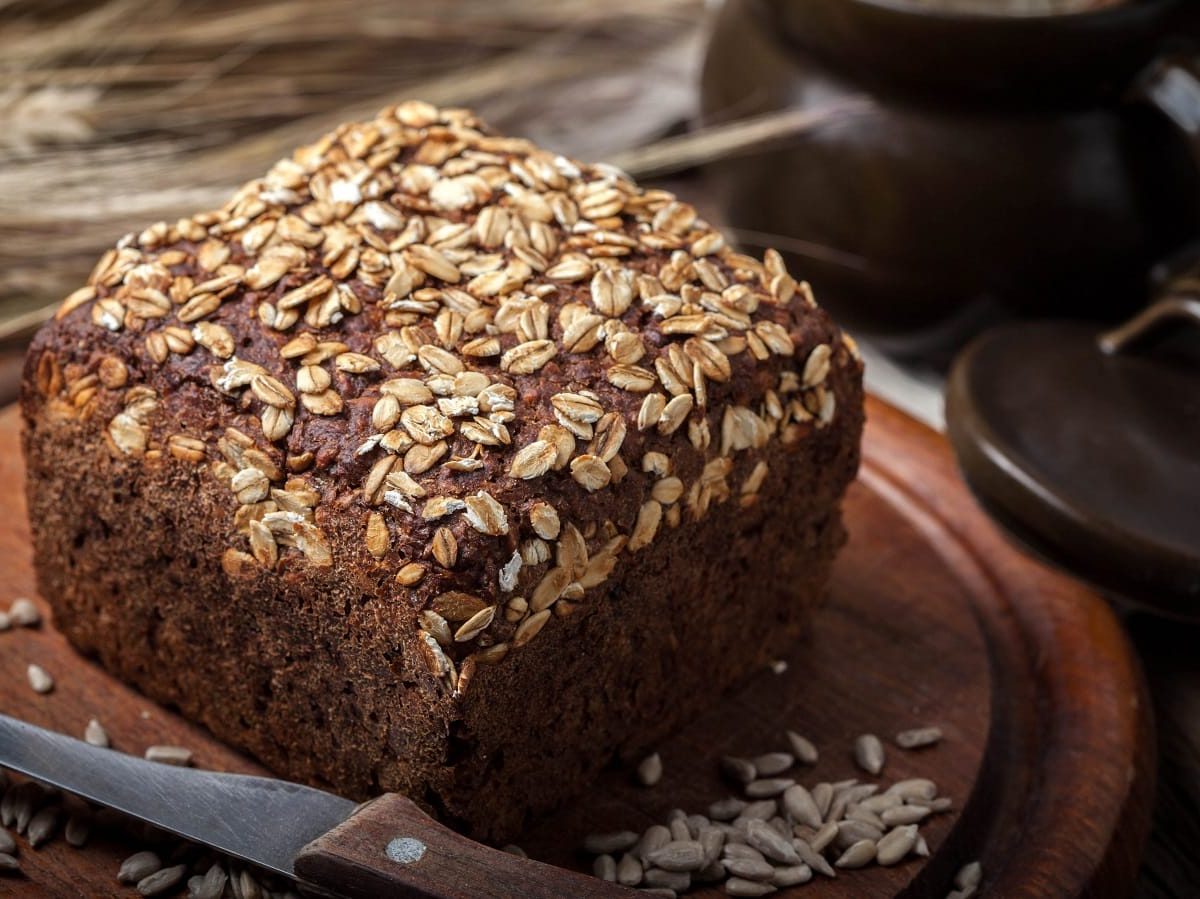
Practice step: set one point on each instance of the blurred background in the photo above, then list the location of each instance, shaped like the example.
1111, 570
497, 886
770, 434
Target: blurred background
936, 168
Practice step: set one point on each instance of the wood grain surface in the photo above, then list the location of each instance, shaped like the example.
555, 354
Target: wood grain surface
934, 619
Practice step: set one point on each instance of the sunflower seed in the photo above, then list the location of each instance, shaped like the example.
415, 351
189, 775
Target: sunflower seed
655, 837
802, 748
859, 855
865, 816
750, 869
650, 770
896, 844
904, 814
767, 787
917, 788
629, 870
868, 753
881, 802
812, 856
918, 737
169, 755
42, 826
211, 885
8, 862
7, 843
965, 893
607, 843
799, 803
678, 855
710, 873
824, 836
969, 875
605, 868
79, 828
8, 804
139, 866
767, 840
23, 613
773, 763
514, 849
921, 848
822, 795
736, 886
726, 809
850, 832
95, 734
792, 875
738, 770
31, 797
761, 810
161, 881
672, 880
39, 679
680, 832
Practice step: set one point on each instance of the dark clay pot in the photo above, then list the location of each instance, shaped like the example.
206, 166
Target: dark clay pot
963, 169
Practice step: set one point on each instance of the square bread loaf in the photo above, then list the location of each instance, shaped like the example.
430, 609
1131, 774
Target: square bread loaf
438, 463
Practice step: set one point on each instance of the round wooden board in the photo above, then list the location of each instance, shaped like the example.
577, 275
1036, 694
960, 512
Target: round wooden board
934, 619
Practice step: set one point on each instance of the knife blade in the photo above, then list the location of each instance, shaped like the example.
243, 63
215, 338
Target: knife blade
329, 845
256, 819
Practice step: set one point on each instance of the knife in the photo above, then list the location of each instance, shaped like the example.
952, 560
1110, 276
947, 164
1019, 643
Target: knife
329, 845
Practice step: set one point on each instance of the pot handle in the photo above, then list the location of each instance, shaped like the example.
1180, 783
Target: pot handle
1171, 84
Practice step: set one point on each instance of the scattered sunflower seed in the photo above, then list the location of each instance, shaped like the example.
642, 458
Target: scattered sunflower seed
655, 837
78, 829
211, 885
95, 734
770, 843
768, 787
824, 836
9, 863
802, 748
161, 881
799, 803
30, 798
726, 809
779, 666
969, 875
896, 845
918, 737
792, 875
605, 868
608, 843
23, 613
629, 870
139, 866
514, 849
169, 755
773, 763
868, 753
672, 880
678, 855
650, 770
42, 826
7, 843
39, 679
904, 814
736, 886
859, 855
750, 868
813, 858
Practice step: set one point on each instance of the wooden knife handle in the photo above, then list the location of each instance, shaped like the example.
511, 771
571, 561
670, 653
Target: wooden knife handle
389, 847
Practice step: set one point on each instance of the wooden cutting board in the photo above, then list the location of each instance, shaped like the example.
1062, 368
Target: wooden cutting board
934, 619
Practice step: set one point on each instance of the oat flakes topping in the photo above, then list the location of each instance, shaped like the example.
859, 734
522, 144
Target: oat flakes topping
452, 319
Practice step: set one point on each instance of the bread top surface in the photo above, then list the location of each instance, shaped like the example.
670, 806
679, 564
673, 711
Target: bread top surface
506, 368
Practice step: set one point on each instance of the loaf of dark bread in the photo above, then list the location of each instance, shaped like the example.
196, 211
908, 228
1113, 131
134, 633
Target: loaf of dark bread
435, 462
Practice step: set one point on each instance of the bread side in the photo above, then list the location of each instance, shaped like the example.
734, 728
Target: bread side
436, 462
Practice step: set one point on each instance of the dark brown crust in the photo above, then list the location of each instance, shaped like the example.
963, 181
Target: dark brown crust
319, 670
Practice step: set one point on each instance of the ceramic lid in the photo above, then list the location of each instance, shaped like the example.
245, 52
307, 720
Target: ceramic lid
1090, 457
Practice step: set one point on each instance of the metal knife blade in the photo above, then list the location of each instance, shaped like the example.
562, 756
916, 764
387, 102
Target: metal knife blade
257, 819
